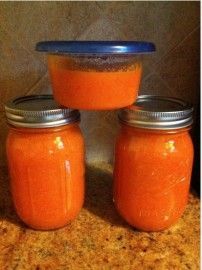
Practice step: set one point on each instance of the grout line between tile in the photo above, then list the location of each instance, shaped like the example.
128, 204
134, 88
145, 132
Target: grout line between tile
20, 44
176, 46
29, 91
148, 76
164, 82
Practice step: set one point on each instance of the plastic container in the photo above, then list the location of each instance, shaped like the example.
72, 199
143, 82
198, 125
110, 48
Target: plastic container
95, 75
153, 162
45, 151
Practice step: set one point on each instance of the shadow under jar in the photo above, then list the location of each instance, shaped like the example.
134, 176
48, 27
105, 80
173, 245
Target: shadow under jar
95, 75
45, 152
153, 162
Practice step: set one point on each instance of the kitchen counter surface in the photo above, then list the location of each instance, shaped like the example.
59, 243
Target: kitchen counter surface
98, 238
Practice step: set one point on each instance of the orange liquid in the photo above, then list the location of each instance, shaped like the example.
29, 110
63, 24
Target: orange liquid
152, 177
47, 174
91, 89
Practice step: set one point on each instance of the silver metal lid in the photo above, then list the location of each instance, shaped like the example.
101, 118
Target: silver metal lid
157, 112
38, 111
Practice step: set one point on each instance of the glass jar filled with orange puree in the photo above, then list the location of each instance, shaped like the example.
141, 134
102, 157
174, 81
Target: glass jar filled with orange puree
153, 162
45, 152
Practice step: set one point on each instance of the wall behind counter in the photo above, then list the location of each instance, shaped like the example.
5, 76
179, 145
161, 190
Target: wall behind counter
173, 70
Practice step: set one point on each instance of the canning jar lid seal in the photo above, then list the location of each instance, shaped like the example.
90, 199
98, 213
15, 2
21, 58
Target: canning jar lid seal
96, 47
157, 112
38, 111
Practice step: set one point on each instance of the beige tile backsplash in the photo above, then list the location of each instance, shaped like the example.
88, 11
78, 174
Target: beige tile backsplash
173, 70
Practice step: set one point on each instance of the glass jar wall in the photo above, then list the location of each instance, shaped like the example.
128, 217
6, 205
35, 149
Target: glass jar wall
45, 153
153, 164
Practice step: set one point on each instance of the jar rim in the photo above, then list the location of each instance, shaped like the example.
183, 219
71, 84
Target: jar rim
157, 112
38, 111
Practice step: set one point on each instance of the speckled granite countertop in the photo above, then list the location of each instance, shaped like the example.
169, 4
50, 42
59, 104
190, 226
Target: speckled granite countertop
98, 238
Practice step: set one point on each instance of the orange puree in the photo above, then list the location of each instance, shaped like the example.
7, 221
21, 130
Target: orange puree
152, 176
94, 89
47, 174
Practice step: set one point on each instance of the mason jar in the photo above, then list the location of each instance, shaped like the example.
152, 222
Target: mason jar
153, 162
45, 152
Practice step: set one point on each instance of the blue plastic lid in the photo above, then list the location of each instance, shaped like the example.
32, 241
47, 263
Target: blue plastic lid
103, 47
